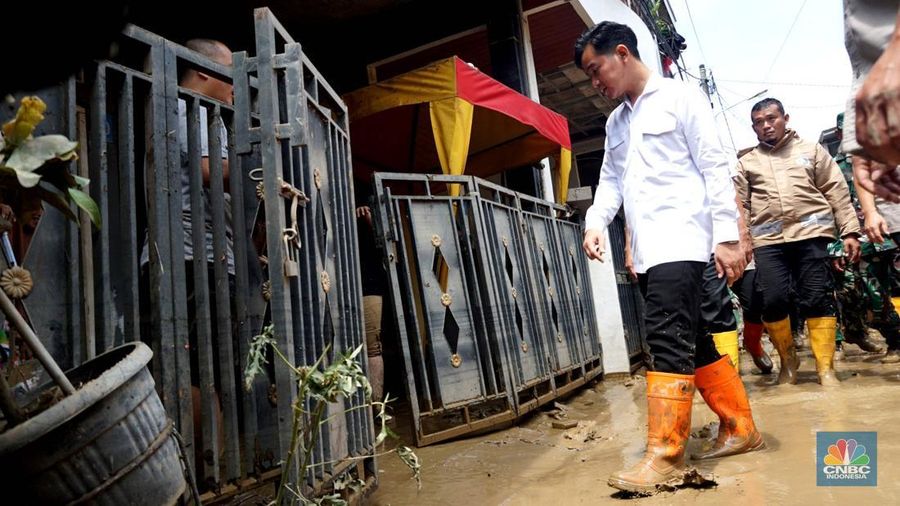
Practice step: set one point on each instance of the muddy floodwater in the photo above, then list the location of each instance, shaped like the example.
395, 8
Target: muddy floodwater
534, 463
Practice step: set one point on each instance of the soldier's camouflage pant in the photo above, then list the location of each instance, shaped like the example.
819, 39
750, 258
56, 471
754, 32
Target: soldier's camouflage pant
865, 289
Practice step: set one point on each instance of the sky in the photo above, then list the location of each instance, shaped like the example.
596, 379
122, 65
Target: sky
751, 46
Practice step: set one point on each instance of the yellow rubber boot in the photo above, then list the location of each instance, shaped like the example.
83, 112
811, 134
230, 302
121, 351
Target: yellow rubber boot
783, 340
896, 302
821, 339
727, 344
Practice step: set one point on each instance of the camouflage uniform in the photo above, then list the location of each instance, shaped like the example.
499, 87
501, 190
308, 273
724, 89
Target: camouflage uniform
865, 288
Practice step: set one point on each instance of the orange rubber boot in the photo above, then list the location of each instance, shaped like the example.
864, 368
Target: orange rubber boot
722, 389
669, 399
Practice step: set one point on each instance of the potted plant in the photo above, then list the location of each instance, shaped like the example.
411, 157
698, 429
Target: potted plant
104, 436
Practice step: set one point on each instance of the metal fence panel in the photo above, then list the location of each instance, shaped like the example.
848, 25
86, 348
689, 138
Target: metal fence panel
455, 372
510, 280
546, 264
527, 318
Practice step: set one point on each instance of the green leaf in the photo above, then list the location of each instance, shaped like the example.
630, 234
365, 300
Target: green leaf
81, 181
87, 204
34, 153
56, 200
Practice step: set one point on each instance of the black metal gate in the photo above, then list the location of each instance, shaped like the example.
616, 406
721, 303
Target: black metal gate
492, 305
288, 160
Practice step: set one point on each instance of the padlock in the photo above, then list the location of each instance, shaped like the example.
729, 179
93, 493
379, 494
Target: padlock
291, 265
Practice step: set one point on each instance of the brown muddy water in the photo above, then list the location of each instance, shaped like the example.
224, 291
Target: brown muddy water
533, 463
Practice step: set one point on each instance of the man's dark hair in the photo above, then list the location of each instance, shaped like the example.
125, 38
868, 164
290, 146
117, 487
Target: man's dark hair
766, 102
605, 37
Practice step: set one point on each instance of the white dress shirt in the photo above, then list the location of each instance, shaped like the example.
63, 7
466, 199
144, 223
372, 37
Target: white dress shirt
664, 161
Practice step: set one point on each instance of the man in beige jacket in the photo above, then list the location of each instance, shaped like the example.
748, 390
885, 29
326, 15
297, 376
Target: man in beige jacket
796, 201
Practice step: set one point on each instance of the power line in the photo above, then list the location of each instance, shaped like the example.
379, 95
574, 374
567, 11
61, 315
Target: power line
786, 37
816, 106
782, 83
694, 28
722, 105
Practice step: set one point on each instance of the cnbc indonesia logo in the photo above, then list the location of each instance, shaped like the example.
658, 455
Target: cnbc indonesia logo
847, 459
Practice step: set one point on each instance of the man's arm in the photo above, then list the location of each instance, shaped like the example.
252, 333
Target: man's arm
629, 260
878, 105
607, 201
876, 227
204, 168
830, 181
706, 151
746, 240
204, 150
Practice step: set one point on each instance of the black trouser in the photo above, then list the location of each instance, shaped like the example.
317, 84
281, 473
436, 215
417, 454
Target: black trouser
672, 298
805, 261
716, 309
750, 296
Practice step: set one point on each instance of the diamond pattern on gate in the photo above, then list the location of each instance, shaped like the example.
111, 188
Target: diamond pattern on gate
450, 329
322, 245
509, 275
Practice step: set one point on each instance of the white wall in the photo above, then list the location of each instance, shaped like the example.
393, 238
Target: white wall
609, 314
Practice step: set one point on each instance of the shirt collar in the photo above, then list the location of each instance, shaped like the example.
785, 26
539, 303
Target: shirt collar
789, 135
653, 84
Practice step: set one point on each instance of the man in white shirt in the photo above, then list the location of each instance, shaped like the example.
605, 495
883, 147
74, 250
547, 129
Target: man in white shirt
664, 162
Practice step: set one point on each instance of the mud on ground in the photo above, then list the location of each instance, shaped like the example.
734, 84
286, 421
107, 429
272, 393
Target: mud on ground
535, 463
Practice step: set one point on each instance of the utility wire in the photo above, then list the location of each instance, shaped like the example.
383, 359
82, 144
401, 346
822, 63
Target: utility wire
786, 37
722, 106
694, 28
781, 83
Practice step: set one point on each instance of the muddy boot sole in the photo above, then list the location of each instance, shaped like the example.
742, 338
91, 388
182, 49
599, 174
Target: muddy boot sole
647, 489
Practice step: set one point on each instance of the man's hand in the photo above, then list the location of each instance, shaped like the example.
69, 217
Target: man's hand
730, 261
851, 249
876, 228
364, 212
880, 179
850, 256
746, 243
878, 107
7, 213
594, 244
629, 267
